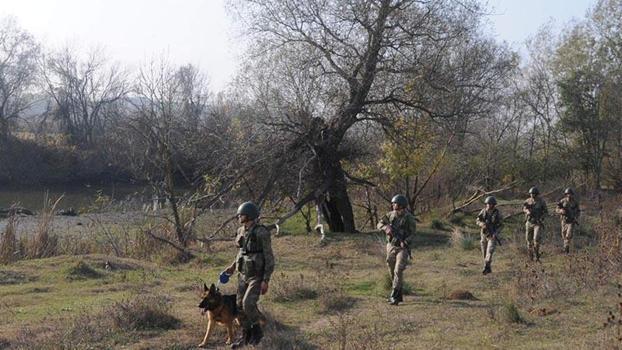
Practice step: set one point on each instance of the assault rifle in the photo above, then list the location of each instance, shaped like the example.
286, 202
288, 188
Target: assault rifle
489, 228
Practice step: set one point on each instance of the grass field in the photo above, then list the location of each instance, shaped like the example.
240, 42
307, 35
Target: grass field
329, 295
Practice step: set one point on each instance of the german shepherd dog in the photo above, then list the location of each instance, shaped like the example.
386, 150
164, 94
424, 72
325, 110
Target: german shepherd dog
220, 309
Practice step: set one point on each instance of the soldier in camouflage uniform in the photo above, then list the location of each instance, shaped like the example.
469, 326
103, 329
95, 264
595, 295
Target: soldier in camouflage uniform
399, 226
255, 264
568, 209
490, 221
535, 211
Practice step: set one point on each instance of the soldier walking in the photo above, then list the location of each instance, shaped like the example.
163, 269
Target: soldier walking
255, 264
535, 211
399, 226
569, 212
490, 221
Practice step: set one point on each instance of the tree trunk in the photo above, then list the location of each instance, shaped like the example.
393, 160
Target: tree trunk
338, 209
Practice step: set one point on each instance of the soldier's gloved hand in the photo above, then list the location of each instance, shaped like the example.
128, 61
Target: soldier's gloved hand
264, 287
388, 230
402, 244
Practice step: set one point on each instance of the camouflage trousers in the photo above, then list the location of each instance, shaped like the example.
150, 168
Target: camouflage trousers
247, 299
488, 245
397, 259
567, 232
533, 235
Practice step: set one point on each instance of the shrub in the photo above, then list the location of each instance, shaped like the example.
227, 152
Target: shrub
9, 250
510, 313
457, 219
287, 289
145, 312
278, 336
437, 224
44, 243
461, 241
81, 271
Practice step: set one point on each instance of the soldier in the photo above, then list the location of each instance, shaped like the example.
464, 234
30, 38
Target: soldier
490, 221
399, 226
255, 264
535, 210
569, 212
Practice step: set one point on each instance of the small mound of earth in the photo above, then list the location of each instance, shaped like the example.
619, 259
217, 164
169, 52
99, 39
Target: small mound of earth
461, 295
543, 311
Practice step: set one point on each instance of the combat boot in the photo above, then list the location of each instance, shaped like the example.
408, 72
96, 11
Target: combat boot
399, 296
487, 269
530, 250
395, 299
567, 250
243, 340
256, 334
537, 251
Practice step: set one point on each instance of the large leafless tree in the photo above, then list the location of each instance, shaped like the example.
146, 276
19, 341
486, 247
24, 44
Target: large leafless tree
320, 67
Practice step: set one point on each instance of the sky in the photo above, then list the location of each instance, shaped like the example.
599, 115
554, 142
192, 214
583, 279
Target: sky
199, 31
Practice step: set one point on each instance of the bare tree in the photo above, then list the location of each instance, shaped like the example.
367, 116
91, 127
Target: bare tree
86, 92
18, 54
323, 66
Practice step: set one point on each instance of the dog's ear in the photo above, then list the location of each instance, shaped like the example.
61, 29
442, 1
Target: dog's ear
212, 288
204, 287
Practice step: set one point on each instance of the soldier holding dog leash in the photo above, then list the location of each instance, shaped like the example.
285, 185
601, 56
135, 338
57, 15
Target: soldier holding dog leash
255, 264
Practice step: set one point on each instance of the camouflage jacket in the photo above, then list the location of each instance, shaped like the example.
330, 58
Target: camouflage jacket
491, 218
535, 210
571, 208
406, 223
255, 258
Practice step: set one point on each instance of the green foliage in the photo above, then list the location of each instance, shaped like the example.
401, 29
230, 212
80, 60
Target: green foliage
437, 224
462, 241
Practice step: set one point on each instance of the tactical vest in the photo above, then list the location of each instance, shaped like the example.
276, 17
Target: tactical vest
571, 208
398, 223
491, 218
251, 259
537, 211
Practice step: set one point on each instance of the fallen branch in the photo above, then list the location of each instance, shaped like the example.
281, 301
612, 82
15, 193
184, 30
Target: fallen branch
478, 195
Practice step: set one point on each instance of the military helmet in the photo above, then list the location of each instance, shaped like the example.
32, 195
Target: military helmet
490, 200
249, 209
400, 200
534, 190
568, 191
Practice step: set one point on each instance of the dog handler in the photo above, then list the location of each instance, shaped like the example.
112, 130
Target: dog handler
255, 264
